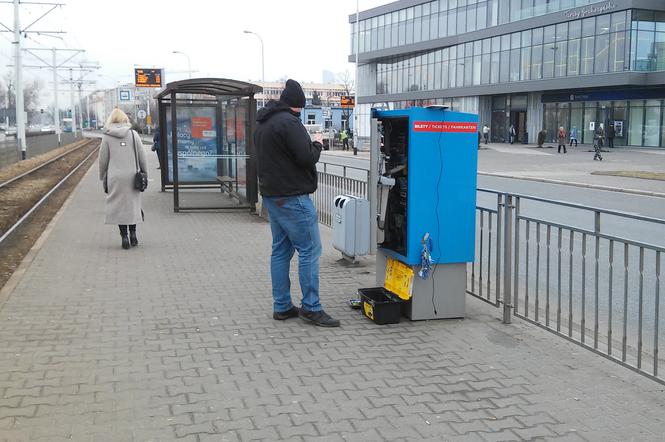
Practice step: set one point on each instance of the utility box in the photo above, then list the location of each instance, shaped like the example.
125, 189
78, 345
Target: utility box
350, 226
426, 207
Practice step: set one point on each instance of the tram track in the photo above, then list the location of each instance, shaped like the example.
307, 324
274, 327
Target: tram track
30, 198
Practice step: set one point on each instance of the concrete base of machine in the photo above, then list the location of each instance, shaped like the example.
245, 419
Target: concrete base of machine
441, 296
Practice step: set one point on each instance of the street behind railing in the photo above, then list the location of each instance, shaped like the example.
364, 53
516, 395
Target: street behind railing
589, 275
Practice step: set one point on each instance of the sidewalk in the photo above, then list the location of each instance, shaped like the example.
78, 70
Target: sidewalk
527, 161
576, 167
174, 340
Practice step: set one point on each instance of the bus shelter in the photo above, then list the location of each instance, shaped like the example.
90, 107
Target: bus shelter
208, 157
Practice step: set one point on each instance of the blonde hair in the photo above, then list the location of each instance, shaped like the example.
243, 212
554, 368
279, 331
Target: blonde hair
117, 116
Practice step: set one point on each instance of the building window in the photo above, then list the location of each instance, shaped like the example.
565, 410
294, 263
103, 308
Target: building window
560, 58
536, 62
580, 47
586, 56
573, 57
652, 123
636, 123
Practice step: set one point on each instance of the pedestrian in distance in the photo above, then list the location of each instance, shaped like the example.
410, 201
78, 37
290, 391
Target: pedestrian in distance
597, 144
611, 133
562, 140
345, 139
121, 156
287, 175
573, 136
486, 133
541, 137
156, 146
512, 133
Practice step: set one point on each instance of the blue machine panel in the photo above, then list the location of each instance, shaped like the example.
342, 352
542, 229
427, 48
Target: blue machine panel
440, 185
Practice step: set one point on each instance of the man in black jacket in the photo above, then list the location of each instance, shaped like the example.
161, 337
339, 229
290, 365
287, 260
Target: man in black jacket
287, 175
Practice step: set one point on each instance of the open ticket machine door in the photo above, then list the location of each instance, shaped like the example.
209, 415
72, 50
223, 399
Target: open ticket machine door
425, 207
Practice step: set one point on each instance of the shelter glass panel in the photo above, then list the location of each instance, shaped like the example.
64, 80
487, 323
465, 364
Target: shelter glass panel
197, 143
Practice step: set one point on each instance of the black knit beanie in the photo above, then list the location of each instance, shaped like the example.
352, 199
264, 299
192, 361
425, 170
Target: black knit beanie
293, 94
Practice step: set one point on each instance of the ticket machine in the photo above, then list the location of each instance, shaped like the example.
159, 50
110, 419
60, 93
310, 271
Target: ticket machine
425, 207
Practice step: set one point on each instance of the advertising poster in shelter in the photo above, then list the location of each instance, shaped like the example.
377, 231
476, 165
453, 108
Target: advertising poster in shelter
197, 144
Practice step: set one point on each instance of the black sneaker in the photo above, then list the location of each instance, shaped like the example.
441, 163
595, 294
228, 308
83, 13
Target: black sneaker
133, 240
320, 318
125, 242
282, 316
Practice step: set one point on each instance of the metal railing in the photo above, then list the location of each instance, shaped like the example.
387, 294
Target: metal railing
587, 274
335, 180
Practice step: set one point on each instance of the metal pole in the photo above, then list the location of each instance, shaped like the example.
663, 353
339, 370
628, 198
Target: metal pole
20, 106
174, 149
355, 89
148, 114
263, 66
189, 62
71, 101
9, 89
56, 107
263, 71
507, 258
372, 183
80, 104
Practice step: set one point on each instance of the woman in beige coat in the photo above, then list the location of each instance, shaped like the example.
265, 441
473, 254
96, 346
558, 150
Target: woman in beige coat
120, 155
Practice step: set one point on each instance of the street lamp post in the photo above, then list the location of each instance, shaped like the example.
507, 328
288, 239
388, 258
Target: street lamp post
189, 62
263, 72
355, 91
263, 77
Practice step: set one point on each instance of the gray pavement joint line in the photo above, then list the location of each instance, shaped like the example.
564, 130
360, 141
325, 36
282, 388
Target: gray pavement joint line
12, 282
575, 184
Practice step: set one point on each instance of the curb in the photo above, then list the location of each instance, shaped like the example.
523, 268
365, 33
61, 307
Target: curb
574, 184
8, 289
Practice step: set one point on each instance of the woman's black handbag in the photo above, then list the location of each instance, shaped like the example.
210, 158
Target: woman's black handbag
141, 178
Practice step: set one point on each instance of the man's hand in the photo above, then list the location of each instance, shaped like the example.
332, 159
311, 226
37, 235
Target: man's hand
318, 145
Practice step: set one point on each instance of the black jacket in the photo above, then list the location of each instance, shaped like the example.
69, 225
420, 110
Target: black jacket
286, 155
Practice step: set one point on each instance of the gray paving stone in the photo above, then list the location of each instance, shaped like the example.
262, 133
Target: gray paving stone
499, 436
175, 338
194, 429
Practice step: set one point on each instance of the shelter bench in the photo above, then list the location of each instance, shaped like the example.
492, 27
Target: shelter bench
226, 183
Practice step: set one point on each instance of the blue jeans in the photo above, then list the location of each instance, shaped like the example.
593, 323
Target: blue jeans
294, 227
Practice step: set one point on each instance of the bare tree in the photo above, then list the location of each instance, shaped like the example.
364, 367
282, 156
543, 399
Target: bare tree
7, 99
346, 79
31, 94
316, 98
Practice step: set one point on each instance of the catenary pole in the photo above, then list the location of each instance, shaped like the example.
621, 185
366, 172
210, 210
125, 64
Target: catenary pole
71, 101
20, 105
56, 107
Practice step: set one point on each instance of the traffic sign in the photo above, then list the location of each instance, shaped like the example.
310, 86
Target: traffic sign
141, 113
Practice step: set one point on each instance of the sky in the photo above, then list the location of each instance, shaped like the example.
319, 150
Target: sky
301, 38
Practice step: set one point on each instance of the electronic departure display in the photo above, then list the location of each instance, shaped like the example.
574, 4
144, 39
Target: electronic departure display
148, 77
347, 101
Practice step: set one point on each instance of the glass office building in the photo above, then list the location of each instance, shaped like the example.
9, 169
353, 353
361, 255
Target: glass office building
535, 64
